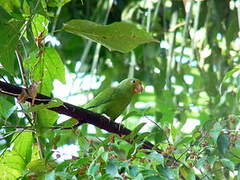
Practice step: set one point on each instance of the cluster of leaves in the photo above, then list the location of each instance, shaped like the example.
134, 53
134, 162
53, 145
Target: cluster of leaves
190, 71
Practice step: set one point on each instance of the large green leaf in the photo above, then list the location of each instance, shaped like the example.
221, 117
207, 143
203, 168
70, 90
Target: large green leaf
46, 69
11, 165
23, 145
223, 144
8, 43
46, 119
6, 108
119, 36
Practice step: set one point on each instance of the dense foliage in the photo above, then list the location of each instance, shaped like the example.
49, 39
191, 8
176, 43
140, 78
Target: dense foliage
185, 52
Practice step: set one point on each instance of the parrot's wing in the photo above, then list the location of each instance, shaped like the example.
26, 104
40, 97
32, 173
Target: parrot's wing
103, 97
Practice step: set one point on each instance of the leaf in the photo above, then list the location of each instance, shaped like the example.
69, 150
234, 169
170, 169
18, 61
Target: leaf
57, 3
53, 103
23, 145
46, 69
223, 144
187, 173
134, 132
215, 131
112, 168
11, 6
8, 43
6, 108
130, 114
119, 36
92, 170
228, 164
39, 25
46, 119
167, 172
11, 165
155, 178
40, 166
156, 157
230, 73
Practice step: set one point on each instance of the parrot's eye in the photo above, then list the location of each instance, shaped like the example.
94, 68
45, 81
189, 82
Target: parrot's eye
133, 81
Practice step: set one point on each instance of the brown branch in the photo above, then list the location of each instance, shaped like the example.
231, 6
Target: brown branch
82, 115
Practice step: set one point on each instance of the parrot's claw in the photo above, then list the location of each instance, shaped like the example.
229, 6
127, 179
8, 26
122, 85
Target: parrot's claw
106, 116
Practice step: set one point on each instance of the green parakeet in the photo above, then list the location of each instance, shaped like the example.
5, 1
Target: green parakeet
113, 101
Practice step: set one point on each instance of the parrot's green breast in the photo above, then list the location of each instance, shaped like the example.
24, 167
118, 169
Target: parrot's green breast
113, 101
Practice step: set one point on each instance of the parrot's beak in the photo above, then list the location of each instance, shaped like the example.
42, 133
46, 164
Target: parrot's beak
138, 88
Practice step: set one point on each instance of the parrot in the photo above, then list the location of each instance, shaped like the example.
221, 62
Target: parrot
113, 101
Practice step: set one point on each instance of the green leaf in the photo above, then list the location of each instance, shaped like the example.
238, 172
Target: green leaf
155, 178
228, 164
187, 173
223, 144
167, 172
8, 43
11, 165
39, 25
119, 36
40, 166
135, 131
215, 131
57, 3
156, 157
11, 6
53, 103
92, 170
46, 119
23, 145
46, 69
6, 108
130, 114
112, 168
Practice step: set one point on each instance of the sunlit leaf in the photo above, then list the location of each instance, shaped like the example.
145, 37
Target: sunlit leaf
23, 145
12, 165
119, 36
46, 69
53, 103
6, 108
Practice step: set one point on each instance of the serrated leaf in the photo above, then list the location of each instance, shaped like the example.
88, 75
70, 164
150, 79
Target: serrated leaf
23, 145
46, 69
53, 103
119, 36
223, 144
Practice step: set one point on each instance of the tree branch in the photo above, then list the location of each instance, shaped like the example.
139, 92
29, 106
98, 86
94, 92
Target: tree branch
82, 115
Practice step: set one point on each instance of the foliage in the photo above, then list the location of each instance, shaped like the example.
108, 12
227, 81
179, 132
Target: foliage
186, 53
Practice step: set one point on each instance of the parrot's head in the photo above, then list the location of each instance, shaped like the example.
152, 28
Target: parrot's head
133, 85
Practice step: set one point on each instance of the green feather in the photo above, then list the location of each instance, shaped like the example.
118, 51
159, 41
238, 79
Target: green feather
113, 101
